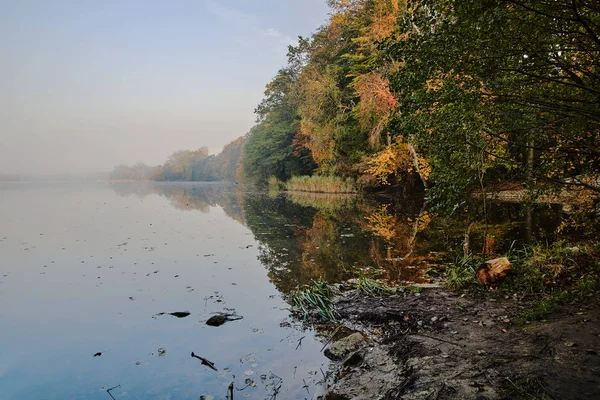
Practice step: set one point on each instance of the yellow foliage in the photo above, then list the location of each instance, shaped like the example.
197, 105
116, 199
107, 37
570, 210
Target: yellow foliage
387, 162
319, 112
423, 221
385, 13
381, 223
424, 167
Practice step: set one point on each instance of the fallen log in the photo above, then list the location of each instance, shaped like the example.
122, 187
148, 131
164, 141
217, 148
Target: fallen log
492, 271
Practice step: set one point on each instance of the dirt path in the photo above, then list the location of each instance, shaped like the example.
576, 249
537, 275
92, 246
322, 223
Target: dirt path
437, 345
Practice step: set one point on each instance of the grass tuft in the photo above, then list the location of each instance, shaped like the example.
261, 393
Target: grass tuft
370, 287
461, 274
314, 297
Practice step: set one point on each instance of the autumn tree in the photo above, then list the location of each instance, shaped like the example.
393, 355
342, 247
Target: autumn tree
270, 149
498, 90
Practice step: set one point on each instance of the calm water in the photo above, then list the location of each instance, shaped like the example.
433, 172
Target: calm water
85, 268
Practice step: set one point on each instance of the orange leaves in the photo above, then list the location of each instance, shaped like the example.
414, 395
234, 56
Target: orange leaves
377, 104
435, 84
385, 13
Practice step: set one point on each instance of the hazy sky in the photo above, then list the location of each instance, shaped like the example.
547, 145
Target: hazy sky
87, 84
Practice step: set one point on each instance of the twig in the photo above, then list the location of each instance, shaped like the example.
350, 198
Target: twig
331, 337
110, 394
441, 340
276, 388
300, 342
305, 386
209, 364
323, 373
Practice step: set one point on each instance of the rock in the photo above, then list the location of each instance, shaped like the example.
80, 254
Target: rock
492, 271
180, 314
339, 349
354, 359
216, 320
220, 319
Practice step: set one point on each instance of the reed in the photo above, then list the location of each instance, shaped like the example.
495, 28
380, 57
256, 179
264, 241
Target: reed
321, 184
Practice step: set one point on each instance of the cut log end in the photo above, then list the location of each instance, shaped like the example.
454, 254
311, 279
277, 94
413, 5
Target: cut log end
493, 271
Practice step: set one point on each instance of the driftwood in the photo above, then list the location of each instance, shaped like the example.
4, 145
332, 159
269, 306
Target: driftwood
492, 271
206, 362
112, 388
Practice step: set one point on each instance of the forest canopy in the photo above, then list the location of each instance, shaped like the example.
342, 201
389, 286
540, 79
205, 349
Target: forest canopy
455, 94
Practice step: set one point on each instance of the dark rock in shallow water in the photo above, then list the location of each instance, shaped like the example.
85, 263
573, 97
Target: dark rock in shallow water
180, 314
220, 319
216, 320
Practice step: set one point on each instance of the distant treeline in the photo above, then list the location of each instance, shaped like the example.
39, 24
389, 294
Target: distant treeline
188, 165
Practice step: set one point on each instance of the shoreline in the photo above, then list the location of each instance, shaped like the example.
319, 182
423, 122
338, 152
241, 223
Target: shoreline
438, 344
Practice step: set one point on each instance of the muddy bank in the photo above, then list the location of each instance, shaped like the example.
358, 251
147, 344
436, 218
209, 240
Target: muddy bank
438, 345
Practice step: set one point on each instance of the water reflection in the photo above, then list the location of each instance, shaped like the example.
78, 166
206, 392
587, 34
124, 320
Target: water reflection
84, 269
188, 196
305, 236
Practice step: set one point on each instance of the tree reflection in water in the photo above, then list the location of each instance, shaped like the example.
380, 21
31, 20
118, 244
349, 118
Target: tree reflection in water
305, 236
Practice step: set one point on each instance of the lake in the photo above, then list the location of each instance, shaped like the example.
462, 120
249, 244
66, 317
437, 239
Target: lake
88, 268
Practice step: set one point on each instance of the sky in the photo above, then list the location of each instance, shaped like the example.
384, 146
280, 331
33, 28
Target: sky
86, 84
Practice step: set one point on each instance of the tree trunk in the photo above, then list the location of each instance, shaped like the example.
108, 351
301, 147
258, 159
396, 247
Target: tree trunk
416, 164
530, 155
